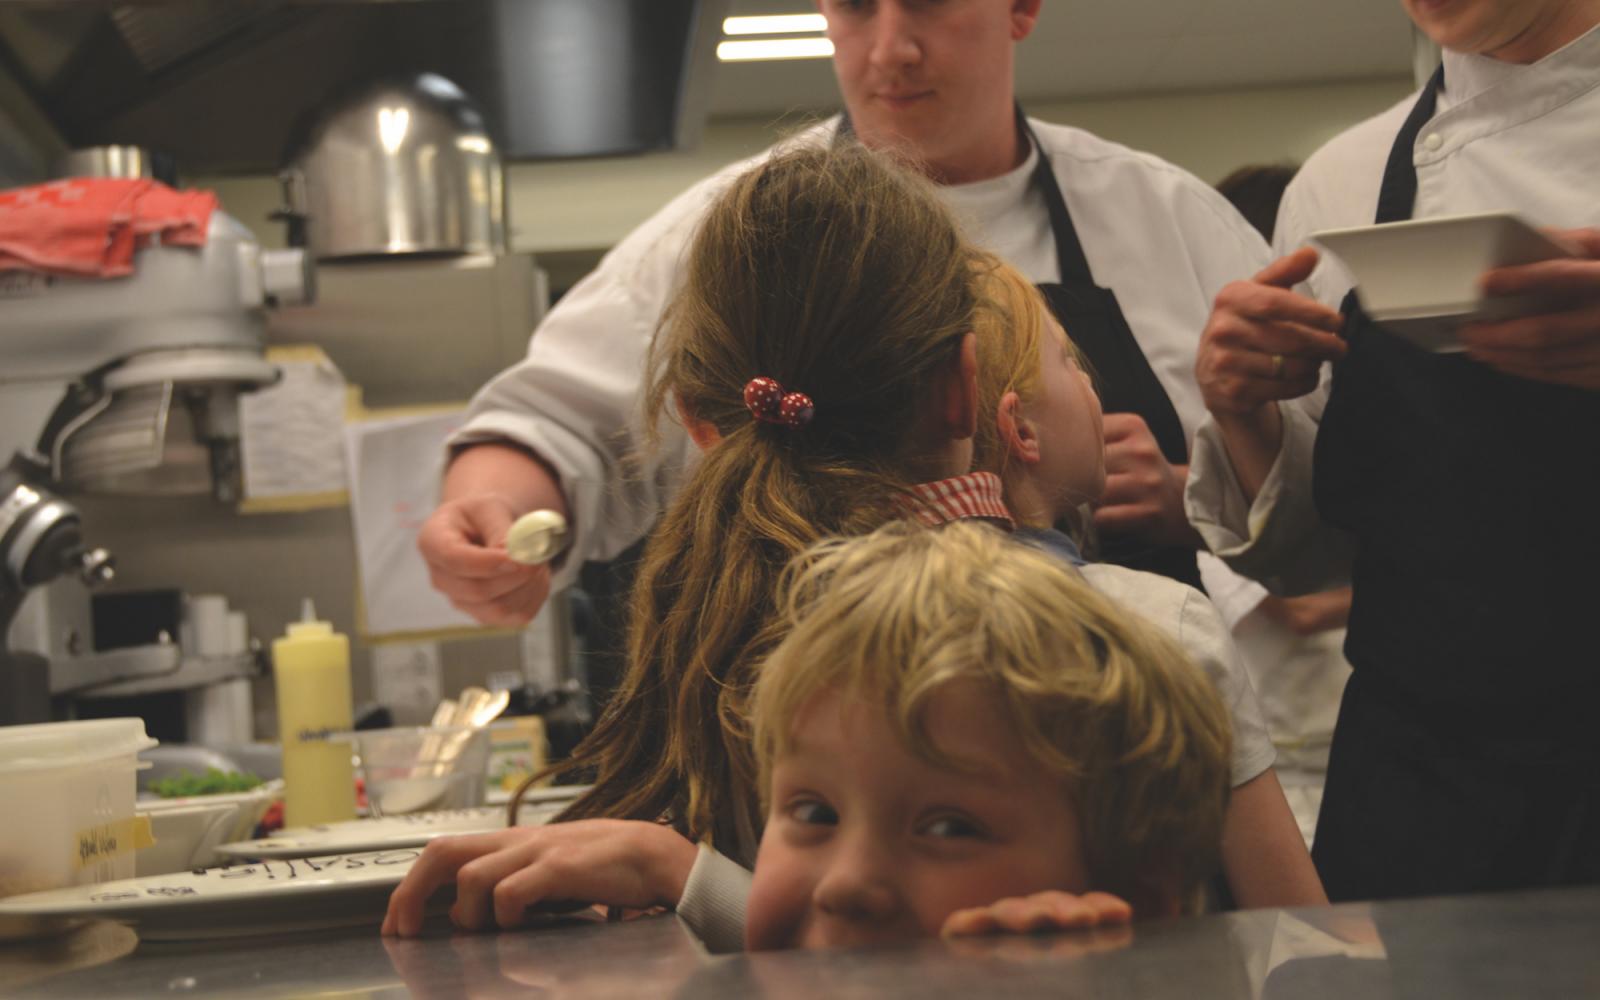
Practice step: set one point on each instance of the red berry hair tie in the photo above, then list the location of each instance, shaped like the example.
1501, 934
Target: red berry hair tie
769, 404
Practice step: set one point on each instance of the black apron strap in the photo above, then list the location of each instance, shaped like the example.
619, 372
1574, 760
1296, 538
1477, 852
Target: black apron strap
1094, 320
1097, 325
1397, 197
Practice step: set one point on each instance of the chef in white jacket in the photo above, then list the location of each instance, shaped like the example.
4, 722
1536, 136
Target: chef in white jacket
1460, 493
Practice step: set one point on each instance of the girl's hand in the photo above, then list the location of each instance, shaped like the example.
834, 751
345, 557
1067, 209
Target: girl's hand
1043, 911
500, 875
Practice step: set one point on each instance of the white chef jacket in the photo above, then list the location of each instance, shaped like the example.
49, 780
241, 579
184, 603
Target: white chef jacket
1523, 139
1163, 241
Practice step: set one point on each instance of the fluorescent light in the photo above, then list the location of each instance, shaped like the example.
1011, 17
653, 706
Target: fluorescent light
777, 24
775, 48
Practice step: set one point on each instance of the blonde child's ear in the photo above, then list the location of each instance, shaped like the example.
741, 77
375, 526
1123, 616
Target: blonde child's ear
1019, 436
703, 433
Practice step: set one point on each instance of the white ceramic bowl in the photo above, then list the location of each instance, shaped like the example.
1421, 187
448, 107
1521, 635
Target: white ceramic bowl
186, 837
247, 808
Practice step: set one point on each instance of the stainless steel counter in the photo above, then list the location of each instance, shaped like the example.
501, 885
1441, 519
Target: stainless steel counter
1525, 945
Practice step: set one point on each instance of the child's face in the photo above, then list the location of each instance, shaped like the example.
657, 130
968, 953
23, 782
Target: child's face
866, 843
1072, 465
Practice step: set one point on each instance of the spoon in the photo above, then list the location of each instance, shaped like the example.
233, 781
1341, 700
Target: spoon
536, 537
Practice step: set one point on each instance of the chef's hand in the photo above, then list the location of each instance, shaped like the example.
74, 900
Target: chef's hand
464, 544
486, 488
1043, 911
1264, 342
1144, 492
500, 875
1562, 347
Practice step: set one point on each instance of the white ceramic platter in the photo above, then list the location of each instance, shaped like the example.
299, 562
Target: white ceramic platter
261, 898
1419, 279
553, 793
393, 832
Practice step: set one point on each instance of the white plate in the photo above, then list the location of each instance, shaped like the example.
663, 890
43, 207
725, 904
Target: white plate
267, 897
1420, 278
552, 793
390, 832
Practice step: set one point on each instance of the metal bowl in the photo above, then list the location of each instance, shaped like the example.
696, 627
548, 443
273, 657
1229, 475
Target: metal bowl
405, 166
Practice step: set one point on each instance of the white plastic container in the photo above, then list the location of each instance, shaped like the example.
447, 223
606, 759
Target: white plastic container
68, 791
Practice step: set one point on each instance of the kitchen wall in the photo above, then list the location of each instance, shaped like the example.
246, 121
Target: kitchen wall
581, 206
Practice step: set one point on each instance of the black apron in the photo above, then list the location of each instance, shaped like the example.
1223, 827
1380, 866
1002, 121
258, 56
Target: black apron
1122, 374
1126, 383
1466, 756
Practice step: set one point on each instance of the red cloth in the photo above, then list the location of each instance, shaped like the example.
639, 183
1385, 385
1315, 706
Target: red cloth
89, 227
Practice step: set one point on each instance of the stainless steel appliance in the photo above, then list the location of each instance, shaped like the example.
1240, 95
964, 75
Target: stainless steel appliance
403, 166
122, 386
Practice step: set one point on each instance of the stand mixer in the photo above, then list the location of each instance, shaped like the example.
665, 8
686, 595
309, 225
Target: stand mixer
39, 542
126, 386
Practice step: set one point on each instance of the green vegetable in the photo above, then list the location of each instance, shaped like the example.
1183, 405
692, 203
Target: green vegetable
213, 782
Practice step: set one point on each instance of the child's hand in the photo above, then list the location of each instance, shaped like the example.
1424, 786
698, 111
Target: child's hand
500, 875
1042, 911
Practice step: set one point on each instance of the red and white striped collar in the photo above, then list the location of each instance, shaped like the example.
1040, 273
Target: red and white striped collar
976, 494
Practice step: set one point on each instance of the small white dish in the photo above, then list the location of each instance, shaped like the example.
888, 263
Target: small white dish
1420, 278
185, 837
267, 897
249, 807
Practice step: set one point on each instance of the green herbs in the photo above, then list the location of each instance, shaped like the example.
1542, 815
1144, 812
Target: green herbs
213, 782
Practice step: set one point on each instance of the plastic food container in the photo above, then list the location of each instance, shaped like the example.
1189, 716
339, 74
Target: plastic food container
69, 789
421, 769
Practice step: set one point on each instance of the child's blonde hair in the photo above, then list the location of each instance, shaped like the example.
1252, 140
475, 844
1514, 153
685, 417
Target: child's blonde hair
1010, 324
1098, 697
842, 276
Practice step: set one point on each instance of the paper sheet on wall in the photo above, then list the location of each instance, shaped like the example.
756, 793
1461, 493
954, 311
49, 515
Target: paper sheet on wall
290, 441
395, 465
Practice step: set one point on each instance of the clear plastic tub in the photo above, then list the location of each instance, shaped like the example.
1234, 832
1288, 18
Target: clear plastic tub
69, 790
421, 769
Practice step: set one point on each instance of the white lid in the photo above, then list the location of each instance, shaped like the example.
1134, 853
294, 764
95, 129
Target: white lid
67, 744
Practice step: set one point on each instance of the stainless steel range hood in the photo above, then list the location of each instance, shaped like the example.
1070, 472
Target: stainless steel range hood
220, 85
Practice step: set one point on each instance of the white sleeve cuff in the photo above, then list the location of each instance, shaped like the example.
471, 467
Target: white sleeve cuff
1280, 540
714, 899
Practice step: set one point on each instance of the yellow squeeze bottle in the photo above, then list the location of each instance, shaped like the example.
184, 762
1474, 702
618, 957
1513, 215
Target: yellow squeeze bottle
311, 671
